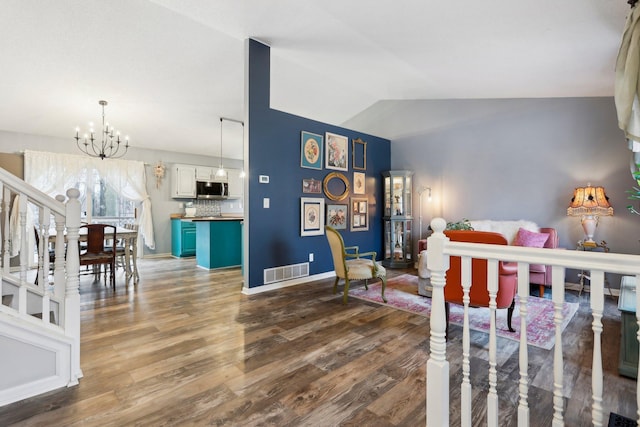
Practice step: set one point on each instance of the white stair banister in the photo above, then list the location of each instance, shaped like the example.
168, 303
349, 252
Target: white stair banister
72, 293
437, 365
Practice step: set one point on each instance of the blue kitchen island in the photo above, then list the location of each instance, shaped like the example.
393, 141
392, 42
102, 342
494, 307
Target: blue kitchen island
218, 242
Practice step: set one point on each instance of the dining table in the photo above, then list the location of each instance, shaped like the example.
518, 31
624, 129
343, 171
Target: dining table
129, 239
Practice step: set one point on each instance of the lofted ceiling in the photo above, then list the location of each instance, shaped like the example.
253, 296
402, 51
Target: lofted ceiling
171, 68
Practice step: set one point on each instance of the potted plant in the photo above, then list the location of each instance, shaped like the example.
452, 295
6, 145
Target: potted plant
460, 225
635, 193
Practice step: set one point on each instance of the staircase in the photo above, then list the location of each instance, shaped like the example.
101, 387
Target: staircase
40, 312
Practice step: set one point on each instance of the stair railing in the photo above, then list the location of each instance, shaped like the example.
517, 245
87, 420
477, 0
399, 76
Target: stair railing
46, 302
439, 249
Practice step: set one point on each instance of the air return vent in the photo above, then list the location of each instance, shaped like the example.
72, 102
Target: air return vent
286, 272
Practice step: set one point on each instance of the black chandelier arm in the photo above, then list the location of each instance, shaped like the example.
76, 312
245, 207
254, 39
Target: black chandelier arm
108, 147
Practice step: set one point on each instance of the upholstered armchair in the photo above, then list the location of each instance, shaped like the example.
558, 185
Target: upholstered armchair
541, 274
479, 293
351, 264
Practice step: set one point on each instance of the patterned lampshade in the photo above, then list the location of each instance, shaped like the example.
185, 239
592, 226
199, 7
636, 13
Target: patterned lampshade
589, 201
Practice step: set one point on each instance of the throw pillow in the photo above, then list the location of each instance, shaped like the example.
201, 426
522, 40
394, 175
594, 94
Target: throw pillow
531, 239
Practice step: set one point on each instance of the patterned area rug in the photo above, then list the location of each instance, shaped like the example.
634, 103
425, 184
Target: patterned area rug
402, 293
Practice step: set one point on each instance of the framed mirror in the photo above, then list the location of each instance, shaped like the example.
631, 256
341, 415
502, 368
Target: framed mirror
332, 188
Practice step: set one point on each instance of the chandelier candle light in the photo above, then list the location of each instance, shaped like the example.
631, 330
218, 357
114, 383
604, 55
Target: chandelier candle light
589, 203
109, 144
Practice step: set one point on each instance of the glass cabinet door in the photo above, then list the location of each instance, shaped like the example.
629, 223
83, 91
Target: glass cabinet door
397, 219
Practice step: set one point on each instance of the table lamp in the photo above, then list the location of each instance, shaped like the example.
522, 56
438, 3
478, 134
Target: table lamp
589, 203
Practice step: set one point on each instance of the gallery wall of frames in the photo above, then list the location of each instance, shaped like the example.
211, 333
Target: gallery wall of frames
347, 207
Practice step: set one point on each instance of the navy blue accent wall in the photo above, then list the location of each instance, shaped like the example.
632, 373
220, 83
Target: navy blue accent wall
274, 150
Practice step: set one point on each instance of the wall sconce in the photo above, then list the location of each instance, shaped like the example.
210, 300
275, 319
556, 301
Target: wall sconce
589, 203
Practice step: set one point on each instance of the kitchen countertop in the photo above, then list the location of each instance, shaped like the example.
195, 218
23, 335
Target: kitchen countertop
206, 218
214, 218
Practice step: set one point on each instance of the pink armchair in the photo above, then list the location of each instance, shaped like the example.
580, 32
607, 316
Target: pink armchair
541, 274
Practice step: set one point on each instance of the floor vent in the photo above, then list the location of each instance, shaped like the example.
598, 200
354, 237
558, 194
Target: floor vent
286, 272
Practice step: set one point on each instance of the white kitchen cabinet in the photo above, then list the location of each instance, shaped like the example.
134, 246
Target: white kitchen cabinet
236, 183
204, 173
183, 182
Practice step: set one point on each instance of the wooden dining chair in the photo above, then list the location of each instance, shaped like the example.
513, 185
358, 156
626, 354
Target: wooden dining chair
95, 254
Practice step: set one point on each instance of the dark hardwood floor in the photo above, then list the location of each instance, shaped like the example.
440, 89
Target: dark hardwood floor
185, 347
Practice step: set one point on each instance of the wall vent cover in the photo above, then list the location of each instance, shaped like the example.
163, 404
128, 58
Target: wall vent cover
285, 272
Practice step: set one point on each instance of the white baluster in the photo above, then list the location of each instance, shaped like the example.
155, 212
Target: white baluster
465, 392
59, 282
72, 294
24, 243
557, 295
597, 308
6, 251
45, 222
492, 396
437, 365
523, 387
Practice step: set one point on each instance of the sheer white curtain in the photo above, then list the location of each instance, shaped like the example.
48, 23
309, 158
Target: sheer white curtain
54, 173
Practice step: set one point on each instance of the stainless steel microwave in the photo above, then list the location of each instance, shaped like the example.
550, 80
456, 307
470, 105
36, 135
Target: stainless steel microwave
212, 190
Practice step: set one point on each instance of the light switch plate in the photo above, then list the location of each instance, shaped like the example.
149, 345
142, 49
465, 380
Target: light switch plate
265, 203
263, 179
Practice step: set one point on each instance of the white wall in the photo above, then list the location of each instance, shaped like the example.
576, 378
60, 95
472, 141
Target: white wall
520, 159
162, 205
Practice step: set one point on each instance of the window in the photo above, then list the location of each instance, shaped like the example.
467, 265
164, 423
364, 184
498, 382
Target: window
111, 191
101, 203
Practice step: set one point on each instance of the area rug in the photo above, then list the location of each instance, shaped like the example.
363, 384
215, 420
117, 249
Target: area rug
402, 293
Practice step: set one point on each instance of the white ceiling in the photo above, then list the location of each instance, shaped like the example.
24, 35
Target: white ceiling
171, 68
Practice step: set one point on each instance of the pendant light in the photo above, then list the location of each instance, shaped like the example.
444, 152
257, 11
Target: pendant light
220, 168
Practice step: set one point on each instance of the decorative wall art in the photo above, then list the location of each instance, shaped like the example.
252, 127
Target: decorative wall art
359, 180
311, 150
336, 152
359, 154
311, 186
337, 215
359, 214
311, 216
336, 186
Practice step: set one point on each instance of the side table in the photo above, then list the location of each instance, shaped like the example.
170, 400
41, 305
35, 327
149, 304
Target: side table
628, 364
593, 247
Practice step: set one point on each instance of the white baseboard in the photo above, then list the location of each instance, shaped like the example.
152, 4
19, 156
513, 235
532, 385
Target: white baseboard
286, 283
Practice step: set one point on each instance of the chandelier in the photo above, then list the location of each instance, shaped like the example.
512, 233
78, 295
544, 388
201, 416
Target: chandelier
109, 144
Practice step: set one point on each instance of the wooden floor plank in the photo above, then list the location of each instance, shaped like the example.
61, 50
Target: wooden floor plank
185, 347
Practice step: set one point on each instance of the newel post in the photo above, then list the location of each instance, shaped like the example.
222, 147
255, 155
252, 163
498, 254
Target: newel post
72, 293
437, 365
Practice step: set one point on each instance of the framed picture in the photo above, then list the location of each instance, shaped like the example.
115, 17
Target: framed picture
359, 214
310, 150
337, 215
340, 185
359, 154
311, 186
359, 183
311, 216
336, 154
